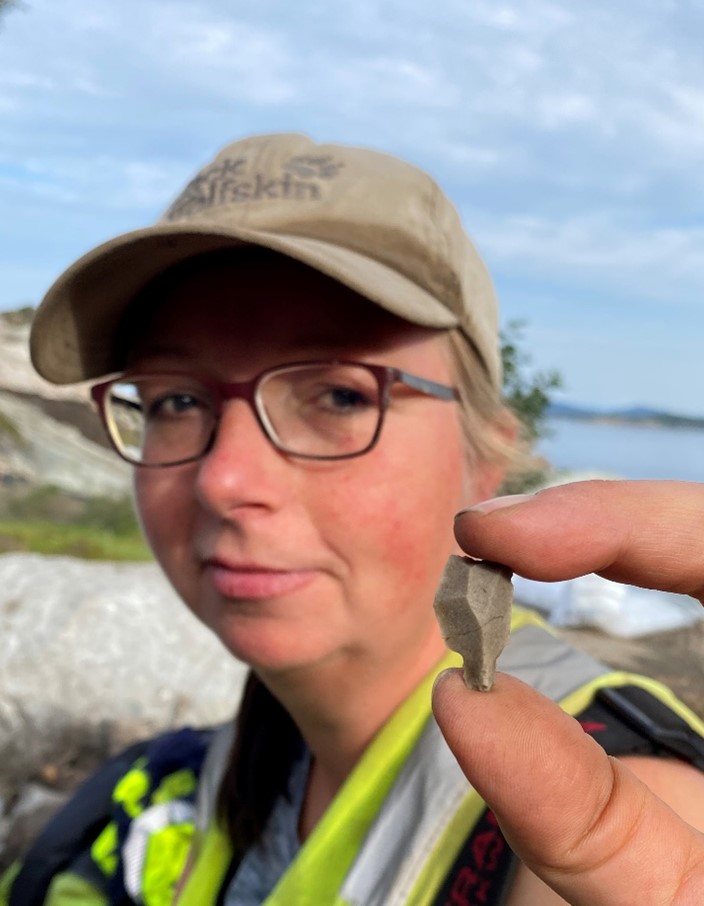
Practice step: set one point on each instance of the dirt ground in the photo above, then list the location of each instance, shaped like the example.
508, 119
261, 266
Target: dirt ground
676, 658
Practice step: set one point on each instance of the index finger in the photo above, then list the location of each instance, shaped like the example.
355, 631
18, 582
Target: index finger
647, 533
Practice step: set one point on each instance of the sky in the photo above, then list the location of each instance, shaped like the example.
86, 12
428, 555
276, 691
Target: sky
569, 134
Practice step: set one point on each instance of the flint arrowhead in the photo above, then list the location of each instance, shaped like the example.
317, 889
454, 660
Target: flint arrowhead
473, 608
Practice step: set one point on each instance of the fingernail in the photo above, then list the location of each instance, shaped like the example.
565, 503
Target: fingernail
496, 503
444, 675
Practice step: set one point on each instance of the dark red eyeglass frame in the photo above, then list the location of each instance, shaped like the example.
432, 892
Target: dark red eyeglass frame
221, 392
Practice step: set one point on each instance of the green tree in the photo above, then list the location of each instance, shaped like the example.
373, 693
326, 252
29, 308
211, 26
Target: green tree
527, 392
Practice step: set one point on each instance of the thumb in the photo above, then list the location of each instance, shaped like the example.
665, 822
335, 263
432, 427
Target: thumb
576, 817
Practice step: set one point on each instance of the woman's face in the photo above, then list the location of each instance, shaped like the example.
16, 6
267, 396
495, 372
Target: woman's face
293, 562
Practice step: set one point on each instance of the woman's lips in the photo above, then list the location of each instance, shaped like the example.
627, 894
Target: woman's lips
256, 582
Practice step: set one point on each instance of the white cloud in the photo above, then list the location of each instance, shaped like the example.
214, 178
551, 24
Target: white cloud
660, 262
103, 182
676, 124
564, 109
219, 52
477, 156
570, 134
28, 80
529, 18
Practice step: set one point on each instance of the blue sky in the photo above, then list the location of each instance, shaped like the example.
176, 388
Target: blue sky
569, 134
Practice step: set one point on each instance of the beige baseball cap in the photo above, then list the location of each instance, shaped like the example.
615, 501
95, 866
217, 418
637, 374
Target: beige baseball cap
371, 221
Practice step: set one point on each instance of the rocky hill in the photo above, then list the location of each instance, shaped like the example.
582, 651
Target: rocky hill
46, 430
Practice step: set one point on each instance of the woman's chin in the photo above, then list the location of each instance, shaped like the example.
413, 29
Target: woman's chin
267, 648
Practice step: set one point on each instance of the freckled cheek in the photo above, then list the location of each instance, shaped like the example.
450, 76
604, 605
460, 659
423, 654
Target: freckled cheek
419, 531
392, 520
420, 517
405, 546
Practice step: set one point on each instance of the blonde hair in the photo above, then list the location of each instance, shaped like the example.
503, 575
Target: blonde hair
491, 429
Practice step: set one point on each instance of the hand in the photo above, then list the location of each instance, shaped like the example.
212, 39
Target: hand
579, 819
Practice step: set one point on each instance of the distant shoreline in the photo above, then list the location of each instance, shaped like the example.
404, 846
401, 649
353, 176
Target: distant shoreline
638, 420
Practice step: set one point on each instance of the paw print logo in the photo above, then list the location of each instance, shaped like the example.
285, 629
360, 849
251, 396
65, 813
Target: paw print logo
307, 166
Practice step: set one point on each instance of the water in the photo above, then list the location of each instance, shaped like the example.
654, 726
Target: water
627, 451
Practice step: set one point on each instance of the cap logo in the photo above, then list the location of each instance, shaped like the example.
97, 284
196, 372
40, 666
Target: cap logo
231, 181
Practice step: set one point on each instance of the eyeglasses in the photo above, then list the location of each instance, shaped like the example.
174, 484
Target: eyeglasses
312, 410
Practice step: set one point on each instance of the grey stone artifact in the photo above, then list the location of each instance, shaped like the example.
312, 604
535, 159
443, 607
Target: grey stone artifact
473, 608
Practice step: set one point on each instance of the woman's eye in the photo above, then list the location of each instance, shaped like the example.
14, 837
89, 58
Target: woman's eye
344, 399
173, 405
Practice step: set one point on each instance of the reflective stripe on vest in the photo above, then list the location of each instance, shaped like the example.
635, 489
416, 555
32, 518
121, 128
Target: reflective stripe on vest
432, 797
427, 814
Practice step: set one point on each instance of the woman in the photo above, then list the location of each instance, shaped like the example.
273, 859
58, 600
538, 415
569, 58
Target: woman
305, 375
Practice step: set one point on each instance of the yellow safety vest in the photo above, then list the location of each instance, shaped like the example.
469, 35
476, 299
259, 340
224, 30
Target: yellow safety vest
392, 833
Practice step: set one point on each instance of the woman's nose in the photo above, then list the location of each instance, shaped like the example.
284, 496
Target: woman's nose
242, 467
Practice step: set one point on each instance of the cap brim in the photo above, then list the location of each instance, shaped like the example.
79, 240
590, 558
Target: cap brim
73, 333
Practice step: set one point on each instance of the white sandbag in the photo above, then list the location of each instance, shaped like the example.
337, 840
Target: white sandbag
618, 610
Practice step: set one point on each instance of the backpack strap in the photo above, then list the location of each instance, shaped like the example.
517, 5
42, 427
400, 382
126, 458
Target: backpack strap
650, 718
86, 836
71, 831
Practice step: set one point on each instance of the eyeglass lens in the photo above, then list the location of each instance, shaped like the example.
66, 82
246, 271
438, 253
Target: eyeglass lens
327, 411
